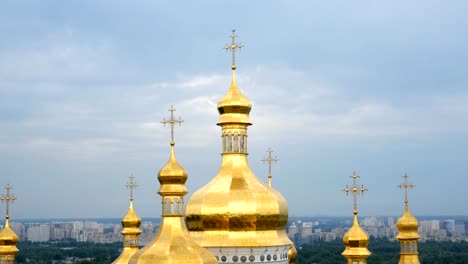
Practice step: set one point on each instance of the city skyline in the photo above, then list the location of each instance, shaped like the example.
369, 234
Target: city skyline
376, 88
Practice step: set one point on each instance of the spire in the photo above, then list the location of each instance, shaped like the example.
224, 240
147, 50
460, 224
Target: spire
356, 239
270, 160
408, 230
8, 238
131, 228
172, 244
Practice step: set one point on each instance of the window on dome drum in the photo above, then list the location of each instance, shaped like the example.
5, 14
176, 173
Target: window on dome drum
176, 206
167, 206
236, 142
241, 143
224, 142
229, 143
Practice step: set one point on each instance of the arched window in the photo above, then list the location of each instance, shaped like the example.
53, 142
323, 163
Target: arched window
229, 142
241, 142
235, 143
167, 206
175, 206
224, 142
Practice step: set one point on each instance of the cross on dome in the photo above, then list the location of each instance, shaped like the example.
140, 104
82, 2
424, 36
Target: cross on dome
131, 185
233, 48
406, 186
171, 123
355, 190
270, 160
8, 199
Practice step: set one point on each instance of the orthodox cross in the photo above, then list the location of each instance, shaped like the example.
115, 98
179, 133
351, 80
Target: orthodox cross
8, 199
355, 190
171, 123
233, 47
131, 185
270, 160
406, 186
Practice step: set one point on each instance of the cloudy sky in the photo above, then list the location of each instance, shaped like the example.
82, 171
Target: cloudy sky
380, 88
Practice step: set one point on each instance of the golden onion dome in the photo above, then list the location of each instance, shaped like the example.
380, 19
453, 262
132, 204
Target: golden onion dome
407, 226
172, 177
292, 254
356, 241
235, 200
8, 240
234, 107
131, 220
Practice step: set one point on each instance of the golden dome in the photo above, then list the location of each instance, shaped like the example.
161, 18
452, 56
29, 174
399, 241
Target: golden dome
172, 177
234, 107
131, 219
8, 240
407, 226
236, 209
173, 243
356, 241
292, 254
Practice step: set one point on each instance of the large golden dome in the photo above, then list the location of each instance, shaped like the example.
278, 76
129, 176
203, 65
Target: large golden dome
236, 209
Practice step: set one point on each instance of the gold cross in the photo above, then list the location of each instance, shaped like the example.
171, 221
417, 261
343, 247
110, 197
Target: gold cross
355, 190
8, 199
406, 186
131, 185
171, 122
233, 47
270, 160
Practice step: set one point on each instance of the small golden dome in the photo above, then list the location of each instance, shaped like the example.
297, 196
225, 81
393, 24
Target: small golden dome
172, 177
407, 226
292, 254
356, 241
8, 240
234, 107
131, 219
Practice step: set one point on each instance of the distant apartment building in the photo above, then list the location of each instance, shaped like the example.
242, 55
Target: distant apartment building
37, 232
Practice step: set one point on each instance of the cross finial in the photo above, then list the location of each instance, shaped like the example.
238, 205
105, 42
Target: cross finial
355, 190
233, 47
270, 160
171, 123
131, 185
8, 199
405, 185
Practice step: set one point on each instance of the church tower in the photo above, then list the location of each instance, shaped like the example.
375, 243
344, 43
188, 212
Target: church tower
236, 216
172, 244
131, 229
8, 238
356, 239
408, 231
